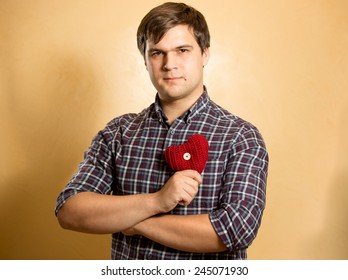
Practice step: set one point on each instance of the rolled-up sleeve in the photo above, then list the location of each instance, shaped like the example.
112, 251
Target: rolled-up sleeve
243, 195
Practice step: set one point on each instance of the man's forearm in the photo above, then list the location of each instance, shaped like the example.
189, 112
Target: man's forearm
96, 213
191, 233
99, 213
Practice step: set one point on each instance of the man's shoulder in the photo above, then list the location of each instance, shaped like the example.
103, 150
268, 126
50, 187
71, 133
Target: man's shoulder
226, 117
232, 123
130, 118
122, 125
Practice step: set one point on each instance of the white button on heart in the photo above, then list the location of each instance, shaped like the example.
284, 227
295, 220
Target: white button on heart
187, 156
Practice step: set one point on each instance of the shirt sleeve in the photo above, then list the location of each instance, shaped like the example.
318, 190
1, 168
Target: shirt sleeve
243, 195
95, 172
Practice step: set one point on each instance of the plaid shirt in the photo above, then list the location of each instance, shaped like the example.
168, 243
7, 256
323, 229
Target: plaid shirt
127, 158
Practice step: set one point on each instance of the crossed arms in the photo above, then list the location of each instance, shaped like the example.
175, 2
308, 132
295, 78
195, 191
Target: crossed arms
144, 214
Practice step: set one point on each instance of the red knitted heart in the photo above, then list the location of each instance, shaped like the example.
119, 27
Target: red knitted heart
193, 154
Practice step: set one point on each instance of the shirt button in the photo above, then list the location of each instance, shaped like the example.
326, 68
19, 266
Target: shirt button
172, 131
187, 156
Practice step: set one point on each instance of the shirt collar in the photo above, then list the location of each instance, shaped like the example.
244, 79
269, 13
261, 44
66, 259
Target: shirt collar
198, 107
159, 111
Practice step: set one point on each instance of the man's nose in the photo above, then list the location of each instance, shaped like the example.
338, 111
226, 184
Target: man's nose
169, 62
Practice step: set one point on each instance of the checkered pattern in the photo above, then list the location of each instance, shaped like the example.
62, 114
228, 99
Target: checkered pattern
127, 158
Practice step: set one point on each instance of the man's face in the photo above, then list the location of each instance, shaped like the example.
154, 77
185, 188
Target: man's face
175, 65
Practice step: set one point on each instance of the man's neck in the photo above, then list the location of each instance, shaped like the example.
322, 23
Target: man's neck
174, 109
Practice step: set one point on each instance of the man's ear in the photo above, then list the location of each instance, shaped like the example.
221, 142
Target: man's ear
206, 56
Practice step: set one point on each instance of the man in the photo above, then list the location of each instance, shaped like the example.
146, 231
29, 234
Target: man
154, 212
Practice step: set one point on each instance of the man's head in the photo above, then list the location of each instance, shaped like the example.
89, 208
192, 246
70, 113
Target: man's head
168, 15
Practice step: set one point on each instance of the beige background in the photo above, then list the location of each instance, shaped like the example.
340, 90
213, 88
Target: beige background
68, 67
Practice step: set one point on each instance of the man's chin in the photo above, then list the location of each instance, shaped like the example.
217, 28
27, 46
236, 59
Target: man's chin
172, 96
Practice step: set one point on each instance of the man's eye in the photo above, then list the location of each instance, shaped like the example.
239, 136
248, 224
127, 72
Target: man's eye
183, 50
156, 53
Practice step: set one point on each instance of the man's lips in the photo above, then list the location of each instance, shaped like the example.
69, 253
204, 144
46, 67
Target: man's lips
173, 78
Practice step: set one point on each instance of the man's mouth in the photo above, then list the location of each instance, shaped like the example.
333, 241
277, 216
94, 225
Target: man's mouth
173, 78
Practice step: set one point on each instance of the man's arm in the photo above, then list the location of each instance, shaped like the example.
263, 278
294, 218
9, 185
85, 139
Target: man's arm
99, 213
192, 233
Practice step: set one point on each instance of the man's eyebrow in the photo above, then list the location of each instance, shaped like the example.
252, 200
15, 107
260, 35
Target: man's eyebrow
187, 46
154, 50
184, 47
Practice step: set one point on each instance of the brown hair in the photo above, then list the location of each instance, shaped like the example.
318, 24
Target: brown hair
168, 15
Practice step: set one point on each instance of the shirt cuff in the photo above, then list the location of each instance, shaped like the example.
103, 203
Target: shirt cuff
63, 197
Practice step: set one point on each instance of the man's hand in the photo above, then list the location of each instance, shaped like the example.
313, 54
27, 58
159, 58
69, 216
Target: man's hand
181, 189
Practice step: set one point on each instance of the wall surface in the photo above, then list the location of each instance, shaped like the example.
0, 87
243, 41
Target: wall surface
68, 67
